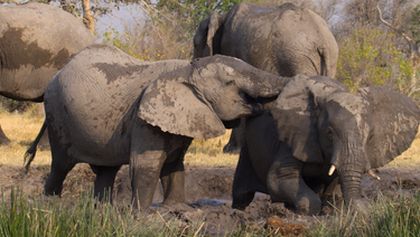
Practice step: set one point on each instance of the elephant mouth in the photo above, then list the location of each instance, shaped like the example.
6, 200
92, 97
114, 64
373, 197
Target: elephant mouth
257, 104
232, 123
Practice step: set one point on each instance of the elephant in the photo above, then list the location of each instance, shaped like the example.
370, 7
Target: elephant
36, 40
317, 134
286, 40
106, 108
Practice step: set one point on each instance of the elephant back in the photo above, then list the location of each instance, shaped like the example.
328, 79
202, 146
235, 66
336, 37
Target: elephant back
285, 40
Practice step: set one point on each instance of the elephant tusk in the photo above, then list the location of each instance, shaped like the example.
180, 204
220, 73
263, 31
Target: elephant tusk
331, 171
372, 173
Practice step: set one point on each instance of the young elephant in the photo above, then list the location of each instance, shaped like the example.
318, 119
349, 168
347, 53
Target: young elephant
285, 40
107, 109
316, 127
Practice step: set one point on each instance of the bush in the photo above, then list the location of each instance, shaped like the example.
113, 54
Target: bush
368, 56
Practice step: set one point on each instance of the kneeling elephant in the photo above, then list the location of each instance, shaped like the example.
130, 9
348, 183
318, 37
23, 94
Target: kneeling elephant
317, 131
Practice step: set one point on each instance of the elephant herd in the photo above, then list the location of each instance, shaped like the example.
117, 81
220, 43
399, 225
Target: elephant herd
268, 69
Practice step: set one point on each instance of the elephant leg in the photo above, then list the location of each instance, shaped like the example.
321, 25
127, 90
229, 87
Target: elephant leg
285, 183
245, 178
4, 140
60, 167
172, 177
147, 157
236, 139
104, 182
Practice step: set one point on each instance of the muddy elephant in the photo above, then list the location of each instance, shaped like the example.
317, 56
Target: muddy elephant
36, 40
317, 131
106, 108
286, 40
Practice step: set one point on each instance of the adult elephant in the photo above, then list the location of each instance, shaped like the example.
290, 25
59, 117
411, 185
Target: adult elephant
107, 109
316, 132
286, 40
36, 40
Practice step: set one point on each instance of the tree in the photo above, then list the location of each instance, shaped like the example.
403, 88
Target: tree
87, 16
412, 38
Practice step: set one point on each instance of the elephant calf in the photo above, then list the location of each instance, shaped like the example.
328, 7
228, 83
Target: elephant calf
317, 131
107, 109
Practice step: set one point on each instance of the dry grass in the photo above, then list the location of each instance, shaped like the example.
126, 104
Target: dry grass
21, 130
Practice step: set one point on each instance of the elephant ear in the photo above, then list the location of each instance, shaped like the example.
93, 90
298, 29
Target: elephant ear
175, 108
207, 37
295, 115
393, 119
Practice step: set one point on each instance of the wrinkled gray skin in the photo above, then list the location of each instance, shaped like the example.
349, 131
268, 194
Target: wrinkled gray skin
313, 124
286, 40
107, 109
36, 40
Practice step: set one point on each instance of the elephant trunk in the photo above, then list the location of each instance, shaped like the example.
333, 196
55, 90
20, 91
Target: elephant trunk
350, 184
262, 84
351, 164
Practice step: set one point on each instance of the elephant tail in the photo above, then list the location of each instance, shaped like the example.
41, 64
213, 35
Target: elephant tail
30, 153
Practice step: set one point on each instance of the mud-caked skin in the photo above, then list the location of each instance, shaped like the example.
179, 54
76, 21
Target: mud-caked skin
286, 40
36, 40
316, 123
106, 108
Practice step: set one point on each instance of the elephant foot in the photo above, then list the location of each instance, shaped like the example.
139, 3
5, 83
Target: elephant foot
231, 149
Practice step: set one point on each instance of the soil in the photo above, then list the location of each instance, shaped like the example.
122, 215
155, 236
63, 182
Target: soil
208, 194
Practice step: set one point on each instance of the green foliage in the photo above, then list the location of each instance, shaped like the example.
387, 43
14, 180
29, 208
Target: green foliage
368, 56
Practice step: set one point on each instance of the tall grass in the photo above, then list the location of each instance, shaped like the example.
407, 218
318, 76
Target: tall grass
83, 217
386, 217
47, 217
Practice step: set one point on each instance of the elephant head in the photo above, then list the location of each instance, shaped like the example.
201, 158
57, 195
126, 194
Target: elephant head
216, 89
324, 123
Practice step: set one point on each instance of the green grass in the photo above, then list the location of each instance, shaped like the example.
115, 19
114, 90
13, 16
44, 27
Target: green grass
84, 217
387, 217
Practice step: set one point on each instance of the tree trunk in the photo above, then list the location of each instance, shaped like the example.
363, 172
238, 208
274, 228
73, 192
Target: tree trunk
87, 16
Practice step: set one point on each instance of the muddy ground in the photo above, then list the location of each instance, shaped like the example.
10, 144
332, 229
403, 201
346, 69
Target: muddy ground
208, 193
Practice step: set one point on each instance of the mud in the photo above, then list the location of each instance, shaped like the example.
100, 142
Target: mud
208, 196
